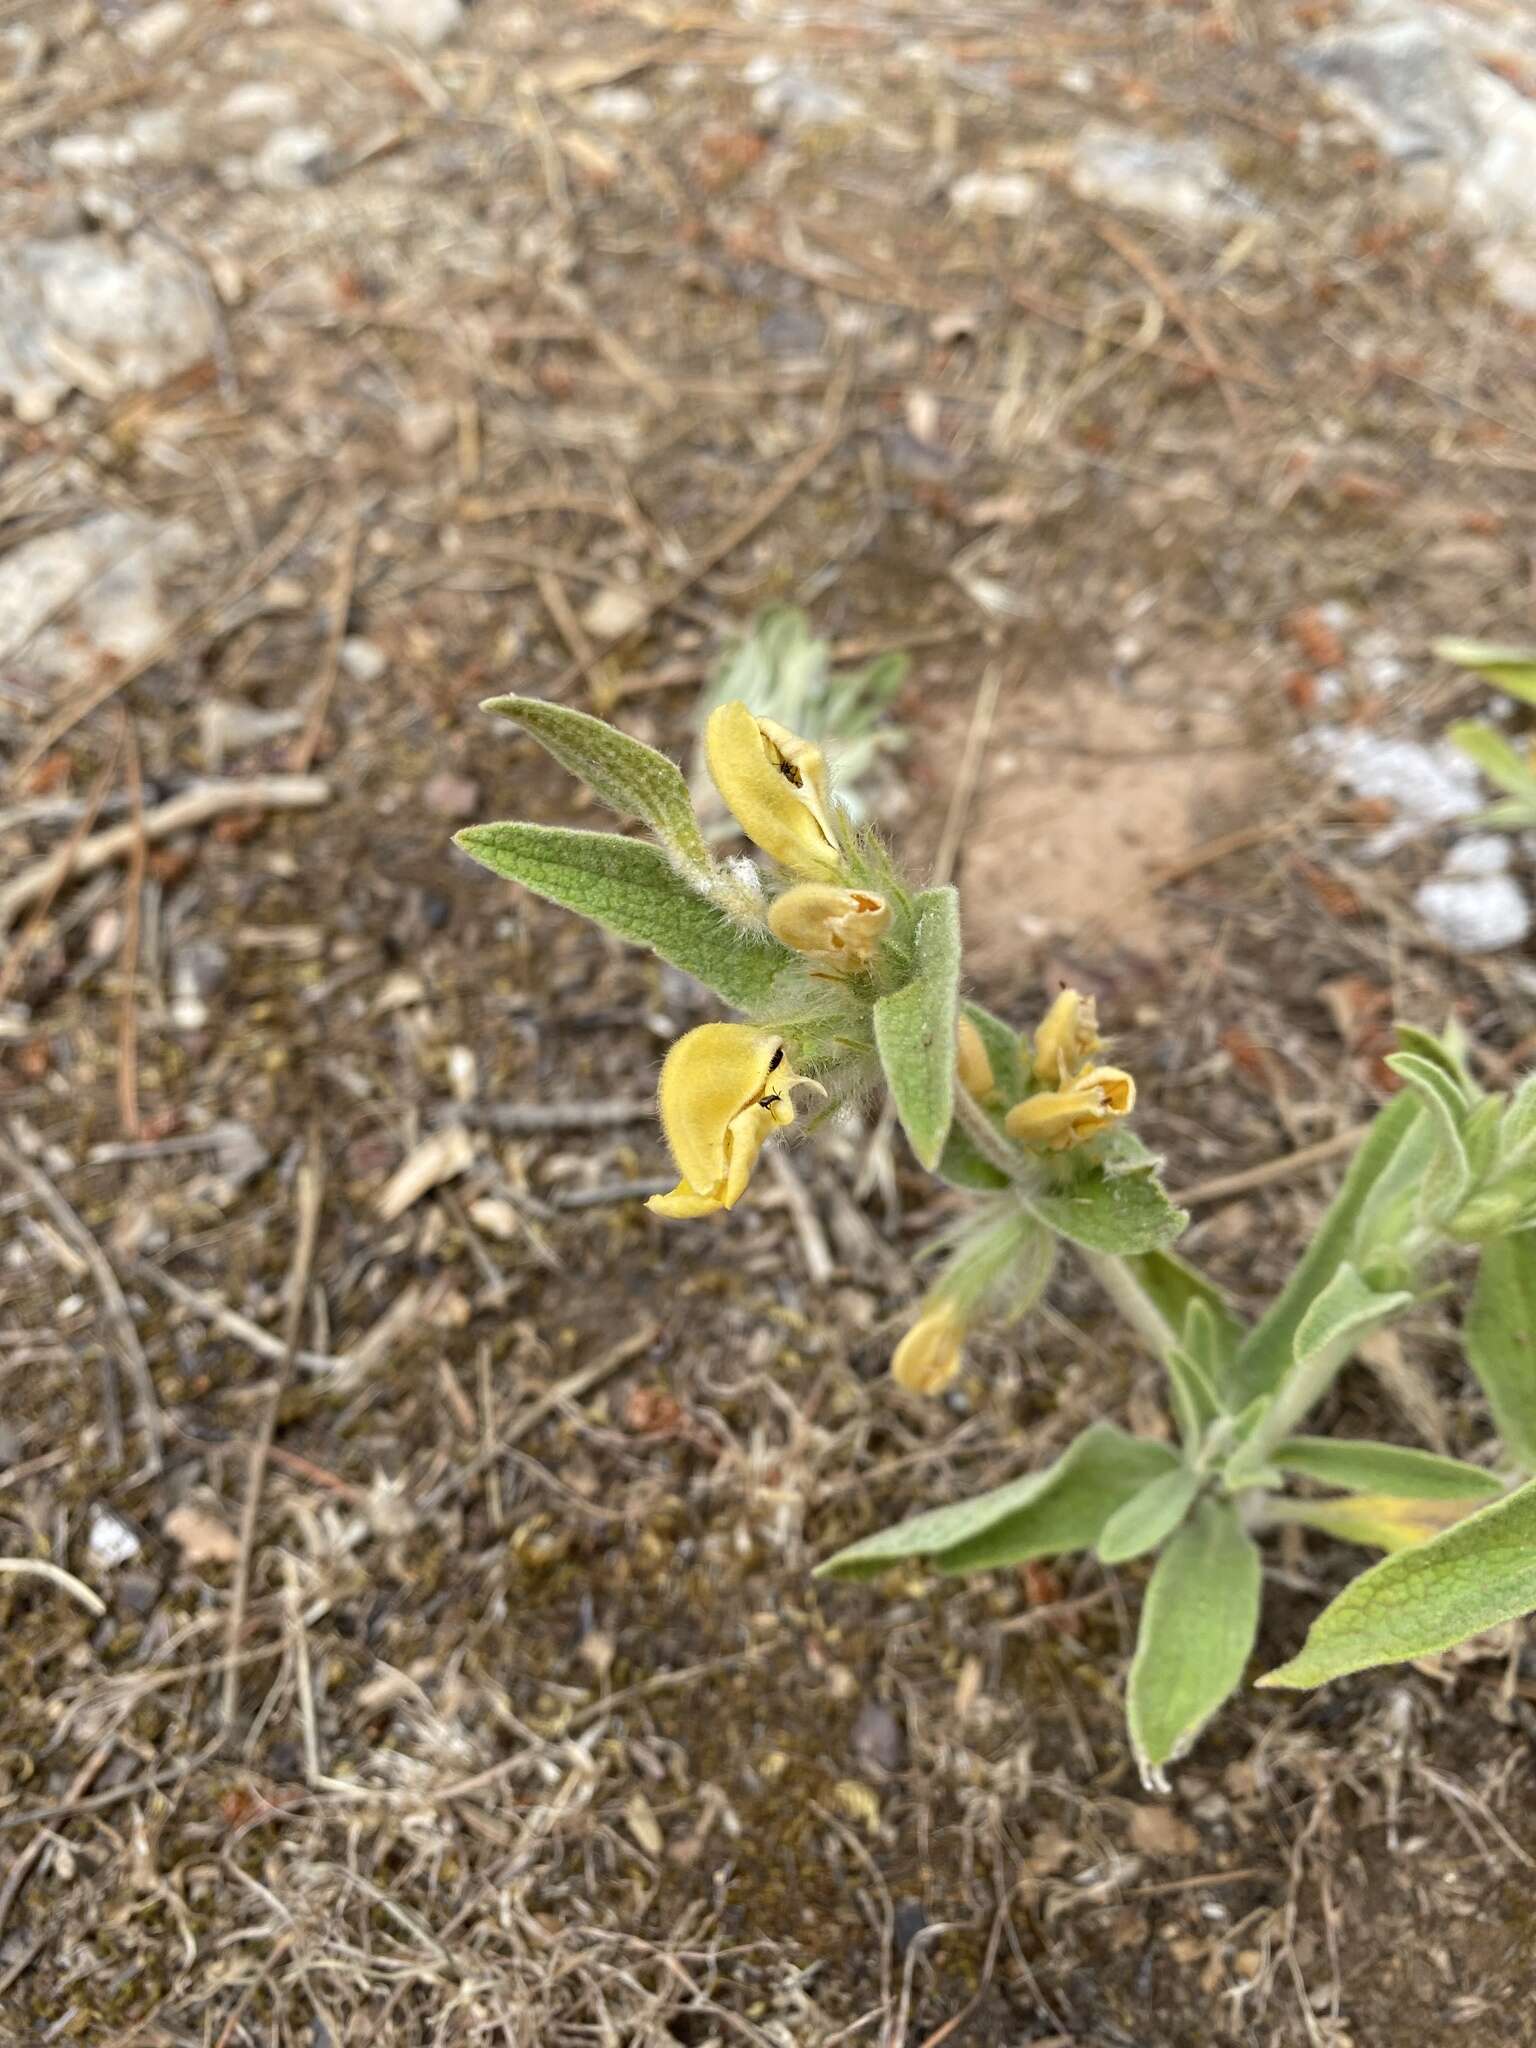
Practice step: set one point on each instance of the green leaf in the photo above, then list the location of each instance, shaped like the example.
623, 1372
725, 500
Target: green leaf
1500, 1339
1198, 1624
1266, 1353
1439, 1053
915, 1027
1445, 1185
963, 1166
630, 777
631, 888
1062, 1508
1106, 1212
1512, 669
1362, 1467
1474, 1576
1504, 765
1148, 1516
1192, 1396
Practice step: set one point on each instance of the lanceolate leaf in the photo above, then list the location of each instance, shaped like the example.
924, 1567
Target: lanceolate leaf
1266, 1354
915, 1027
631, 887
1512, 669
1174, 1289
1121, 1213
1476, 1575
1500, 1337
1198, 1624
1062, 1508
630, 777
1360, 1467
1450, 1171
1148, 1516
1499, 761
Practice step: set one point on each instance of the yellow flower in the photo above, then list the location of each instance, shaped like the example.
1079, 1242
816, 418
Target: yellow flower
724, 1088
1089, 1103
1068, 1038
775, 784
971, 1061
839, 925
930, 1354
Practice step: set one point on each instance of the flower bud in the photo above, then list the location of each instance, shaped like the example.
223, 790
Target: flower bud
972, 1063
1067, 1038
929, 1355
842, 926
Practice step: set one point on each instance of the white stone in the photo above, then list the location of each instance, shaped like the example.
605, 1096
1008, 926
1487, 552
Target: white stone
259, 99
614, 611
154, 30
82, 311
799, 98
1008, 195
1475, 913
1426, 785
86, 594
290, 158
422, 22
364, 660
110, 1542
1482, 853
1184, 181
624, 105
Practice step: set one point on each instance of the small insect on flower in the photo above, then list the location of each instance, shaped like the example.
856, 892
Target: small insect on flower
1067, 1039
724, 1089
775, 785
972, 1062
1061, 1117
930, 1354
839, 926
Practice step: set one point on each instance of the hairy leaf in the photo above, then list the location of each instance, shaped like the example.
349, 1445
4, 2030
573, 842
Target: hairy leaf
1062, 1508
631, 888
1379, 1521
915, 1027
630, 777
1476, 1575
1500, 1338
1361, 1467
1112, 1212
1198, 1624
1148, 1516
1512, 669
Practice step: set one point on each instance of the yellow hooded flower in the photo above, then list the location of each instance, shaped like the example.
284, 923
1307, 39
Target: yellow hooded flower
1088, 1104
724, 1088
1068, 1038
930, 1354
775, 785
972, 1062
841, 926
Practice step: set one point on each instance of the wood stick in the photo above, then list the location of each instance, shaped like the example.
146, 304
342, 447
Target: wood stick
1271, 1170
194, 806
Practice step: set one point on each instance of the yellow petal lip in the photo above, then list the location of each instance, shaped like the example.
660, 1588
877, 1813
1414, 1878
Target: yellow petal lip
775, 786
841, 926
930, 1355
972, 1063
724, 1089
1068, 1038
1062, 1117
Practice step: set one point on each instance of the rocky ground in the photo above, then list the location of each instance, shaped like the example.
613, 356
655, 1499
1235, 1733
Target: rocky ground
1160, 376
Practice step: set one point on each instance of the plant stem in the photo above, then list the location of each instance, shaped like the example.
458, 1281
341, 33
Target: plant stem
1120, 1284
989, 1141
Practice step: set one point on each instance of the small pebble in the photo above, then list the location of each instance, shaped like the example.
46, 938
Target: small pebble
1475, 913
110, 1542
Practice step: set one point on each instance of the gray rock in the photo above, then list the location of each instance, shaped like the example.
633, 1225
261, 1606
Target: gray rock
88, 593
83, 313
1183, 181
1417, 77
1481, 853
1427, 785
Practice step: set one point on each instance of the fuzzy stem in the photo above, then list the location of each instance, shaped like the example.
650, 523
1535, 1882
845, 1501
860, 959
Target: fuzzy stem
989, 1141
1120, 1284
